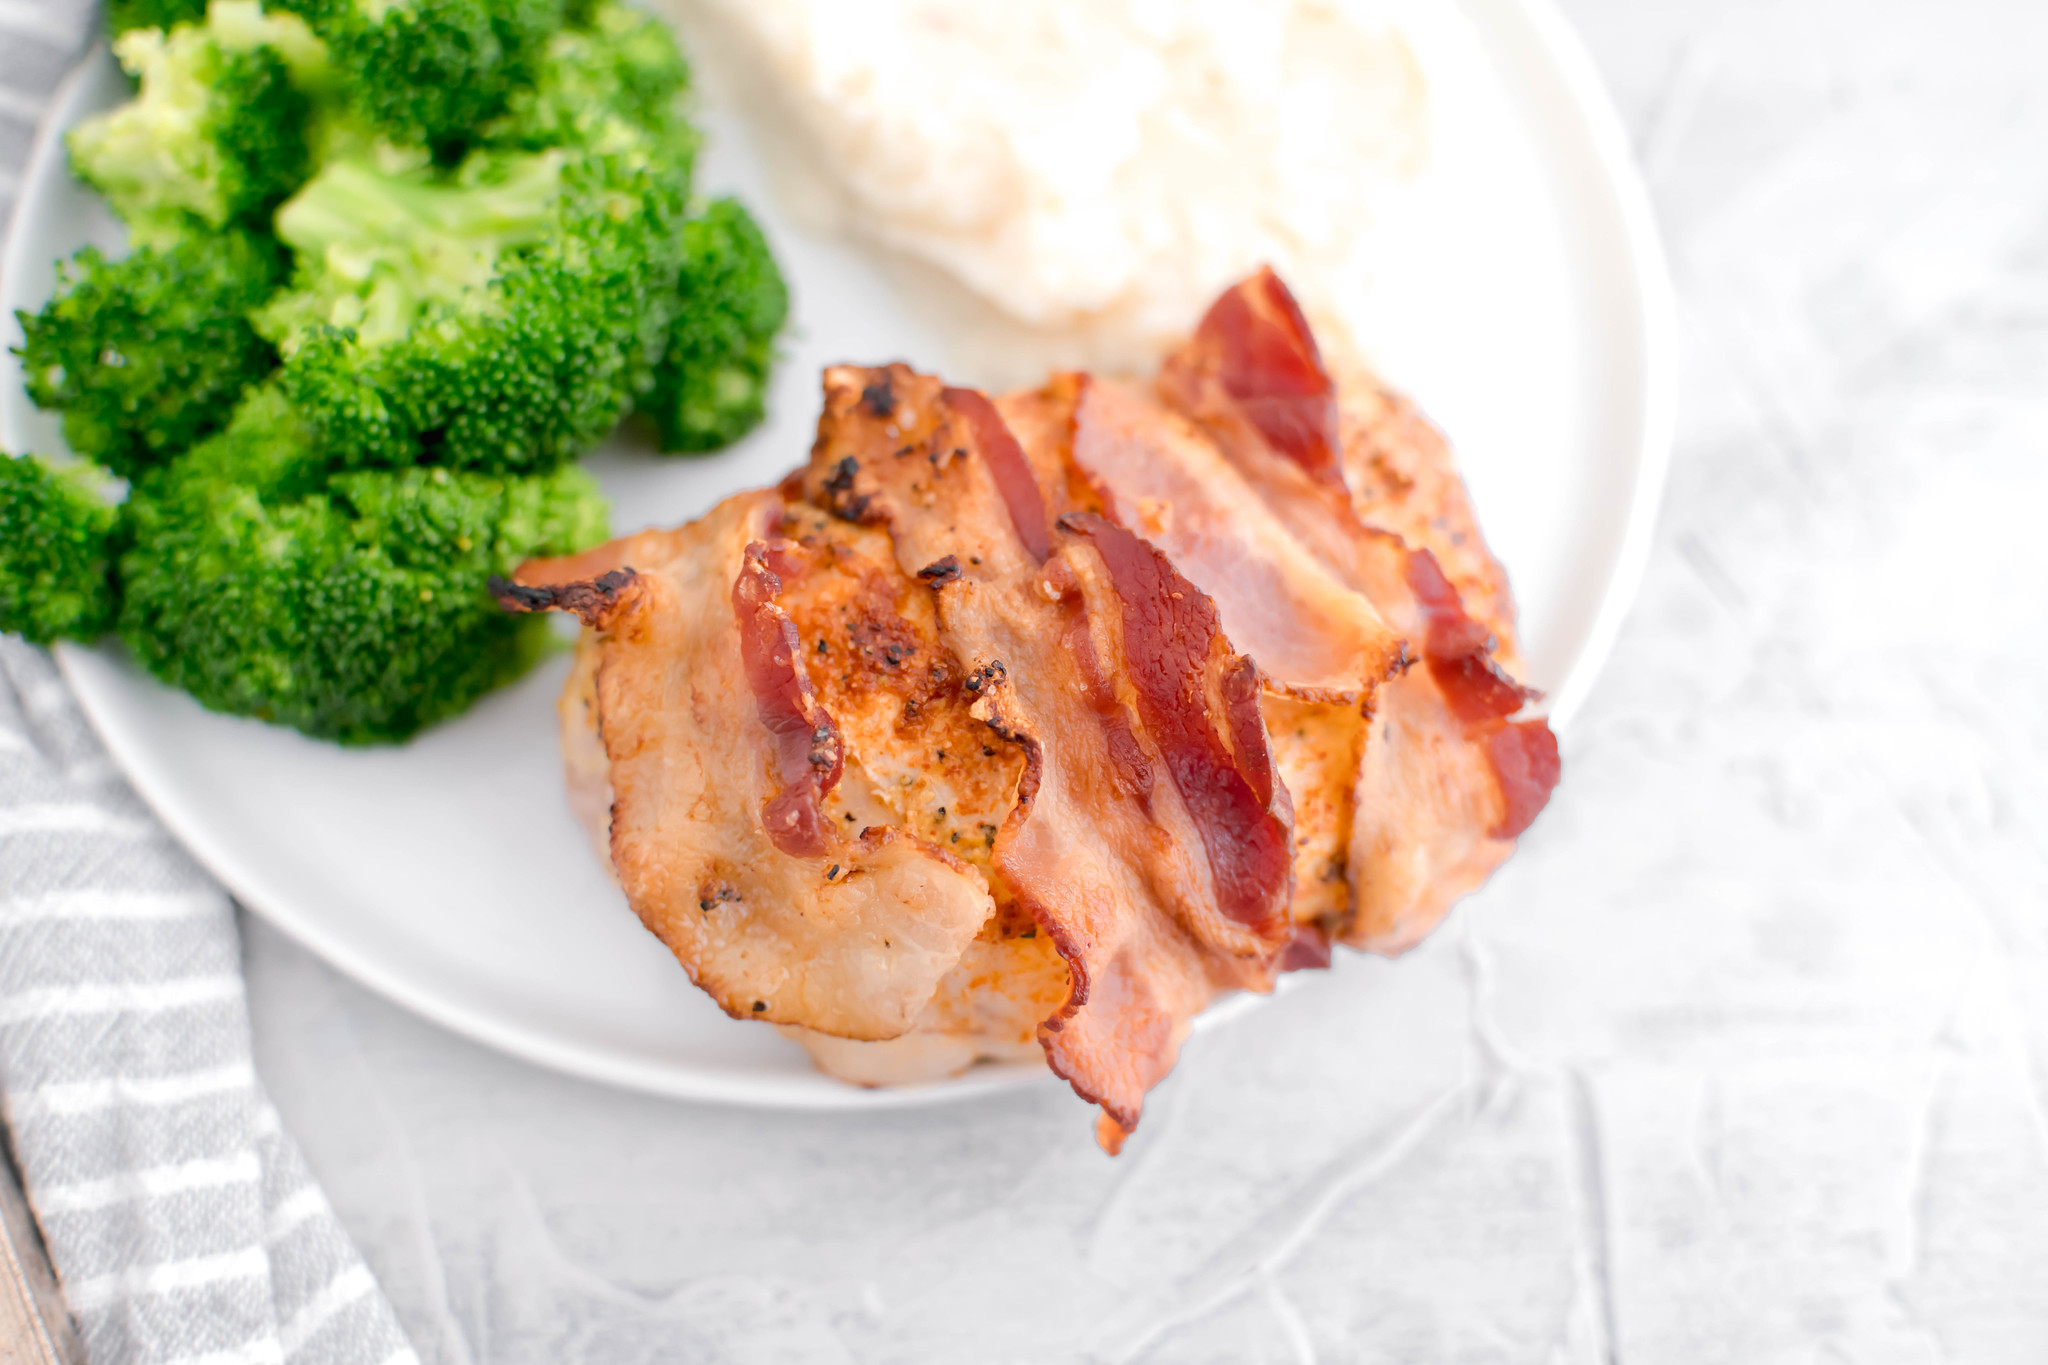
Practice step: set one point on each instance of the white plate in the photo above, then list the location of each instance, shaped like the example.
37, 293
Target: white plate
447, 874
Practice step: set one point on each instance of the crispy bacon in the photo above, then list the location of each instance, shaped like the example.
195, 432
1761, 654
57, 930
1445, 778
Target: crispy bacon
1166, 481
1126, 755
1220, 764
1299, 478
808, 754
1268, 362
1322, 649
1459, 650
1525, 759
1006, 462
1459, 653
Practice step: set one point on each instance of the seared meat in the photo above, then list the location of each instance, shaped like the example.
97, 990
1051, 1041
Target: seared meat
783, 898
1141, 839
1039, 722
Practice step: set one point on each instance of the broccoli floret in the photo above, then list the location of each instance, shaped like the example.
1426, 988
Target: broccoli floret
56, 547
378, 247
216, 135
354, 608
624, 65
432, 72
712, 384
503, 315
520, 373
123, 15
147, 354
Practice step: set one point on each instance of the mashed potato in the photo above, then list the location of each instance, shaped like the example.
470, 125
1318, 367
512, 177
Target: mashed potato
1098, 168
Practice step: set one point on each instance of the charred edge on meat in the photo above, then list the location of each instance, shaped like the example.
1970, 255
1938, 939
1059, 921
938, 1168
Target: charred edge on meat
839, 495
941, 571
879, 398
592, 599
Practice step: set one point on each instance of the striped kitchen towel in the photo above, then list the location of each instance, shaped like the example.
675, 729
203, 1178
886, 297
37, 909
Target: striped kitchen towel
180, 1217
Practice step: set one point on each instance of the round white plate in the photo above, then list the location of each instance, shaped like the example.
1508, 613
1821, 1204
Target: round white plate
1534, 327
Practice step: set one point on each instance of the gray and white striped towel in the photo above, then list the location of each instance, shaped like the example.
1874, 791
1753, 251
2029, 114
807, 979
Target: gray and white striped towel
181, 1219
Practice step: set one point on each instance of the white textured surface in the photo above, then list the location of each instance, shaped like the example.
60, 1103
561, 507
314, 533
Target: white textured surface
1741, 1059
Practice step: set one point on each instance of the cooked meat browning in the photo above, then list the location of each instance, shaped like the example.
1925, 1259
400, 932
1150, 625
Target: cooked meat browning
1038, 722
1059, 619
779, 906
1447, 778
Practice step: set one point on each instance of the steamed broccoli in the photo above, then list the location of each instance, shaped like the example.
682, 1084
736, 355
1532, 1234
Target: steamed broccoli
432, 72
148, 354
397, 263
521, 373
376, 248
622, 65
216, 137
56, 543
711, 387
503, 315
354, 608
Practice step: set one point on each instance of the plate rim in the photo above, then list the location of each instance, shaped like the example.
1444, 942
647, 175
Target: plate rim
1652, 314
1655, 314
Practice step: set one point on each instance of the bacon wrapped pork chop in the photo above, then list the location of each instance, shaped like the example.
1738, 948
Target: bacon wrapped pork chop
1038, 722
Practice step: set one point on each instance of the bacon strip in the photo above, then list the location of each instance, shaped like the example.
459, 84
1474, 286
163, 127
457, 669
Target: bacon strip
1252, 378
1459, 653
808, 754
1459, 650
1164, 479
1126, 756
1269, 364
1170, 629
1322, 649
1013, 476
1525, 759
